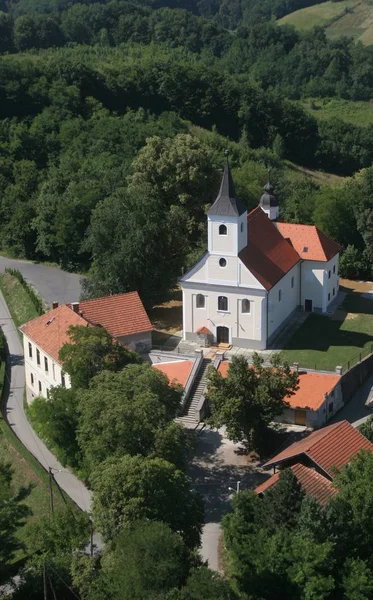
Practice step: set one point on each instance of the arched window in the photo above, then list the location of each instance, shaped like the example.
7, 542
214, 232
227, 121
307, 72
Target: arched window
245, 306
222, 303
200, 301
223, 230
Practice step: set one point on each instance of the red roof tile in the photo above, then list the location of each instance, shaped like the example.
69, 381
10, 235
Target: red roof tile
203, 330
177, 370
309, 241
312, 387
120, 315
49, 331
332, 446
268, 256
313, 483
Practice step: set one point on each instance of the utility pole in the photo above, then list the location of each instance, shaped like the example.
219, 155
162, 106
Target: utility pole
91, 526
51, 490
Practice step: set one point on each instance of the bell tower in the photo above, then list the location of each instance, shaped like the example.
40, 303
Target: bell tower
227, 218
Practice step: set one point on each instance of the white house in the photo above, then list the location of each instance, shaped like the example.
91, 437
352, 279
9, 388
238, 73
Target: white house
122, 315
256, 273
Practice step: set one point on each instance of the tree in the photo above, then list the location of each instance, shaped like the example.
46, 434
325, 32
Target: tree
136, 244
249, 398
92, 350
13, 513
56, 420
357, 582
282, 503
131, 412
148, 560
132, 488
367, 428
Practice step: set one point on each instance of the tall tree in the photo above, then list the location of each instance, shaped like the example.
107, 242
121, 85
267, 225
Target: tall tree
131, 412
133, 488
92, 350
248, 399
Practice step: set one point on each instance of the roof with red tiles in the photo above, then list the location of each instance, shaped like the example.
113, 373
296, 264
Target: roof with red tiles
309, 242
203, 330
120, 315
49, 331
313, 483
328, 448
312, 388
268, 256
177, 371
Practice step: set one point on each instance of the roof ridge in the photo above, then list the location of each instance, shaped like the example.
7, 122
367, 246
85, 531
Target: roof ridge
108, 296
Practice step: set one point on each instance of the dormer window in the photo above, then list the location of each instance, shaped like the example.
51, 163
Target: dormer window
223, 230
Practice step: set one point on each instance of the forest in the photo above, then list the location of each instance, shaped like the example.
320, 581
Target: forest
114, 117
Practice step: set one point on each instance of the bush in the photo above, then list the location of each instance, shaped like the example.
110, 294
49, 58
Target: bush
35, 299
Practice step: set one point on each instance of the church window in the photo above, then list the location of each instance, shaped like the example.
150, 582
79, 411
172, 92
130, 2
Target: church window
328, 296
222, 303
334, 269
279, 295
241, 227
245, 306
292, 282
329, 274
222, 230
222, 262
200, 301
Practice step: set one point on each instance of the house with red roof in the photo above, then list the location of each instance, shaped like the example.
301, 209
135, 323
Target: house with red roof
122, 315
315, 459
317, 399
256, 273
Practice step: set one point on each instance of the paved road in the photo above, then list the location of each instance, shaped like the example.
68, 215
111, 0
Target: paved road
50, 282
18, 421
355, 411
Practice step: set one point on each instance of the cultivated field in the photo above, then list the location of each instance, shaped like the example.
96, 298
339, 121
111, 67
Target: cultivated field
350, 18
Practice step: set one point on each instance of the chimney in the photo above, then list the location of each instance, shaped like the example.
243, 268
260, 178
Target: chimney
54, 305
75, 307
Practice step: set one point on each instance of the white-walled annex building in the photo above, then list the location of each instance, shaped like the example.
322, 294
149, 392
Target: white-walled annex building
256, 273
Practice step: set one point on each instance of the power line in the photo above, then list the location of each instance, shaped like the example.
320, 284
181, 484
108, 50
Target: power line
64, 582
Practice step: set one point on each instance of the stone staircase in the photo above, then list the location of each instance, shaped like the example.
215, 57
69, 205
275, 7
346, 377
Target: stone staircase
188, 417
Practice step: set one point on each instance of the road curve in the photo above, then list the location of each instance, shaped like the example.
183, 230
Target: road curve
51, 282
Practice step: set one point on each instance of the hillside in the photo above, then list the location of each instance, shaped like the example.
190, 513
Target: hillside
356, 113
350, 18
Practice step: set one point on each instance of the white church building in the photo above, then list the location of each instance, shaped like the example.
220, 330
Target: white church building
256, 273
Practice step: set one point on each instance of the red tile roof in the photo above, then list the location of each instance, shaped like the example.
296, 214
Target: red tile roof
268, 256
312, 387
120, 315
309, 241
313, 483
203, 330
177, 370
49, 331
332, 446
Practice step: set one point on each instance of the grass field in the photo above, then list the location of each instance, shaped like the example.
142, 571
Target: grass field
317, 15
323, 342
350, 18
17, 299
357, 113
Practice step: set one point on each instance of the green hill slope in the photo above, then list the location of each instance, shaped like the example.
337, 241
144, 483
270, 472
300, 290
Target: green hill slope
351, 18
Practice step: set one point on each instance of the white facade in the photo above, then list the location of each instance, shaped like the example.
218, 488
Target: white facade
41, 370
319, 284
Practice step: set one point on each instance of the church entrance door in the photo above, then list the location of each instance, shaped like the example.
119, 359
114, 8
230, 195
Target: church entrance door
222, 335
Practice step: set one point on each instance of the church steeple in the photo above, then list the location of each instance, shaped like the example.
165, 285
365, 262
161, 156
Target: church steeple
227, 204
269, 202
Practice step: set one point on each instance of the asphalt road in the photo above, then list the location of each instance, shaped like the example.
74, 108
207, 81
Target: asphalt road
18, 422
51, 283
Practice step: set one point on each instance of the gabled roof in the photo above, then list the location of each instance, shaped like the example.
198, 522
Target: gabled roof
227, 204
49, 331
332, 446
312, 387
177, 370
120, 315
267, 255
313, 483
309, 241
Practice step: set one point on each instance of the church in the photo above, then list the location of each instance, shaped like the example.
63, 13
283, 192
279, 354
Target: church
256, 273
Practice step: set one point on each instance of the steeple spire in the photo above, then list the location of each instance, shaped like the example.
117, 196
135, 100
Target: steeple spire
227, 204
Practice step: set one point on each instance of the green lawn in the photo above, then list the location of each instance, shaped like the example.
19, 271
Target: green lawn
324, 342
357, 113
17, 299
317, 15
